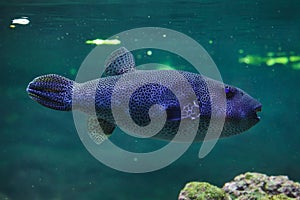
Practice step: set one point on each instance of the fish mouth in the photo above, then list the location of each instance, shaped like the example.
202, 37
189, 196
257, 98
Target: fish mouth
43, 95
33, 91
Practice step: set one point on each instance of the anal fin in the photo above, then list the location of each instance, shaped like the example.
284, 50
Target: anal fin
99, 129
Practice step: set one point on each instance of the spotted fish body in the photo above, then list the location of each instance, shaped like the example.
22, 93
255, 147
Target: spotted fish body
60, 93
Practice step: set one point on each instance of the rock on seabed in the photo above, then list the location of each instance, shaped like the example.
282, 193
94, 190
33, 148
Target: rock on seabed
248, 186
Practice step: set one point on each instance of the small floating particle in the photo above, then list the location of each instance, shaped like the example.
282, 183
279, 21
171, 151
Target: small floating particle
73, 71
278, 60
252, 60
294, 58
103, 42
296, 66
22, 21
149, 53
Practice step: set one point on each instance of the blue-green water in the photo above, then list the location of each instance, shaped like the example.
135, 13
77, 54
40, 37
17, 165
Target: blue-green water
41, 155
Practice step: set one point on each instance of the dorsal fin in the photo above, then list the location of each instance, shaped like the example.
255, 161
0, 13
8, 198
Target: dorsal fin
119, 62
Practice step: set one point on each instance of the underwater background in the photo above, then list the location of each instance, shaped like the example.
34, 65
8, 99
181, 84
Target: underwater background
255, 44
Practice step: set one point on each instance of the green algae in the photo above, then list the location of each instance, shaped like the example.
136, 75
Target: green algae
248, 186
202, 191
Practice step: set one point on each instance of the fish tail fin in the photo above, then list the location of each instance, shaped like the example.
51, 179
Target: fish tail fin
52, 91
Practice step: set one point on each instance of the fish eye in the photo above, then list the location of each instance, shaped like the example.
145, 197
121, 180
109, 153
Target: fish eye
229, 91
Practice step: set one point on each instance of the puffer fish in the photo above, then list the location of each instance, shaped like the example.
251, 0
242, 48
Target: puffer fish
60, 93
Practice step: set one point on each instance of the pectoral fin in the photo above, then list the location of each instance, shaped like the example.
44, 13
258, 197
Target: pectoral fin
99, 130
